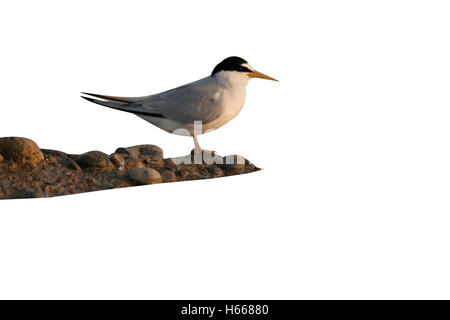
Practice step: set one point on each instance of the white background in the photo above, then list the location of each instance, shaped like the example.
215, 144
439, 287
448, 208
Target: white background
353, 201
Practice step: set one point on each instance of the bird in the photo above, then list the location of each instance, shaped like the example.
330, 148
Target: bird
194, 108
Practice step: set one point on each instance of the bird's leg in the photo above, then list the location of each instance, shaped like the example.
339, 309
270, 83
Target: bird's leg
200, 155
197, 149
197, 153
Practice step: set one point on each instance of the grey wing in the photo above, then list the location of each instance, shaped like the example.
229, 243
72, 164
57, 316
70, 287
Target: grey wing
127, 104
186, 104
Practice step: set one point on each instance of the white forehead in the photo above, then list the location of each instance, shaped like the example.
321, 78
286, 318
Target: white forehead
247, 65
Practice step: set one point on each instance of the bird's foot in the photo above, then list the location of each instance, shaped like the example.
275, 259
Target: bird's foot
203, 152
203, 156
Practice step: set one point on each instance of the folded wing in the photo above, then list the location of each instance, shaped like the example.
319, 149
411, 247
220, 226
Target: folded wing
196, 101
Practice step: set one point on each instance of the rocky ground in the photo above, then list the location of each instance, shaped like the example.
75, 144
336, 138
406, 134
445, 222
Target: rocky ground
26, 171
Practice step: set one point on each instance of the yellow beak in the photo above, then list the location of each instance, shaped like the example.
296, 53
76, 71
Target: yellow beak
257, 74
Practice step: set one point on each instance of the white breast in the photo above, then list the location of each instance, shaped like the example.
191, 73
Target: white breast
230, 103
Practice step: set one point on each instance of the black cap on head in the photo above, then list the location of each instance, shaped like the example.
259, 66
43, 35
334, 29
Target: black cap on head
231, 64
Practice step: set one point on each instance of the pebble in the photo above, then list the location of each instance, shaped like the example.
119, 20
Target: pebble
21, 150
94, 159
58, 157
117, 159
133, 163
143, 152
142, 176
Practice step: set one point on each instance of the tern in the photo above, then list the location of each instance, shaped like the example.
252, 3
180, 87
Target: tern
194, 108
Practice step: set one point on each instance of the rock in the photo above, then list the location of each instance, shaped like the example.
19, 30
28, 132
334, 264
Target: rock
233, 163
168, 175
21, 150
133, 163
60, 173
54, 157
117, 159
170, 163
94, 159
177, 162
60, 158
216, 159
70, 164
141, 176
143, 152
190, 172
123, 184
30, 193
215, 172
124, 161
54, 153
47, 189
74, 157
